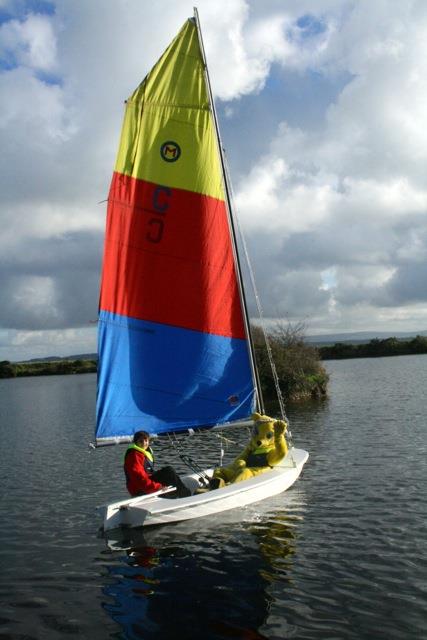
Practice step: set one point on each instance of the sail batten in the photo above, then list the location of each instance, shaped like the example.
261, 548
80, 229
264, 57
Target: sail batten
173, 345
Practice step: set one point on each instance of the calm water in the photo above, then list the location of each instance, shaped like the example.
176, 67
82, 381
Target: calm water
341, 555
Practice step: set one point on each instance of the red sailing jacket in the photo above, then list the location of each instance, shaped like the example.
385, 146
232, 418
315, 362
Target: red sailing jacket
138, 468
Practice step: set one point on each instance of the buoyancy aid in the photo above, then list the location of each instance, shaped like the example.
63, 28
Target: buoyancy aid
148, 456
258, 457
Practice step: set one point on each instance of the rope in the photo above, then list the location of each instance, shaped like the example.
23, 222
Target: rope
194, 466
260, 311
223, 441
188, 460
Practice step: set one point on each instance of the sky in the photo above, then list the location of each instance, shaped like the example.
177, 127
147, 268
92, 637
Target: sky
322, 106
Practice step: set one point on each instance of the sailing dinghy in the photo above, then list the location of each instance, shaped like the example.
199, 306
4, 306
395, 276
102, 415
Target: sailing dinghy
174, 346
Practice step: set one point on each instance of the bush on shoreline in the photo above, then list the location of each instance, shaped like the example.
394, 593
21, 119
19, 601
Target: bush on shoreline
299, 370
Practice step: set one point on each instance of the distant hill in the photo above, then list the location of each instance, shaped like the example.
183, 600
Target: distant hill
80, 356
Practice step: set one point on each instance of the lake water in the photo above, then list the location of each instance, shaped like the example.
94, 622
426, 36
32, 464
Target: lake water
340, 555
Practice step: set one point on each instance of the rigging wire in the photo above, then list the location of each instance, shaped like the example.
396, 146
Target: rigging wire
224, 442
259, 307
189, 461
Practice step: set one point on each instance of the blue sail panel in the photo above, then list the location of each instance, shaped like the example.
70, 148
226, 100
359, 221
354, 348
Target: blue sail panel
163, 379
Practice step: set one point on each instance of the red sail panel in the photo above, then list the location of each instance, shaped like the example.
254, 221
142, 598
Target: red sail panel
168, 258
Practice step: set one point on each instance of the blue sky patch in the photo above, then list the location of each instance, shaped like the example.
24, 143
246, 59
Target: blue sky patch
22, 9
7, 62
310, 26
49, 78
299, 99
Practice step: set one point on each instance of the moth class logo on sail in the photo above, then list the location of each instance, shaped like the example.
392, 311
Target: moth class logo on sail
170, 151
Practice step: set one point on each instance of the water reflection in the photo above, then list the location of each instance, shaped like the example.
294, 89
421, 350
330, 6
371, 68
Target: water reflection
210, 581
277, 543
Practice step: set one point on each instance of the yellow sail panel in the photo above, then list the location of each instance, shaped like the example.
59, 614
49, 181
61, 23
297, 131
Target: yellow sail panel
168, 134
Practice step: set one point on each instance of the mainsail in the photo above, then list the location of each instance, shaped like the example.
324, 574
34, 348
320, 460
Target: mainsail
173, 348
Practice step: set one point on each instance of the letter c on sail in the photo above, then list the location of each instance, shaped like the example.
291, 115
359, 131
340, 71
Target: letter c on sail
160, 203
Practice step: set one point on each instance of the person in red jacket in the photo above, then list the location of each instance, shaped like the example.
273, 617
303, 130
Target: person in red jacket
141, 478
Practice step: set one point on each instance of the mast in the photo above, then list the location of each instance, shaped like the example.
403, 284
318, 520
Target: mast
254, 369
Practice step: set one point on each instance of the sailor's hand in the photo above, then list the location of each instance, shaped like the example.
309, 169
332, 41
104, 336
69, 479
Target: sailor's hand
280, 427
240, 464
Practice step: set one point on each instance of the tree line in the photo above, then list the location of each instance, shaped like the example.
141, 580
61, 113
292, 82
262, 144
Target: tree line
56, 367
374, 348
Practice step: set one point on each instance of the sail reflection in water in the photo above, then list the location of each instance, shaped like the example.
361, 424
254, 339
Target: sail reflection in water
214, 582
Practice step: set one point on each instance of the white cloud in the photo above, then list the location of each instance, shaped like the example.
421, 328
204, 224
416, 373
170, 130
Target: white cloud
34, 296
34, 111
29, 43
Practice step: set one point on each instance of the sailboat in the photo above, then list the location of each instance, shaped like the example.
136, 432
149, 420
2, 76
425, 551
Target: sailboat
174, 343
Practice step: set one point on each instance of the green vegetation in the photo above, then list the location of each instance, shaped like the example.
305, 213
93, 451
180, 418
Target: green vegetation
57, 367
374, 349
299, 370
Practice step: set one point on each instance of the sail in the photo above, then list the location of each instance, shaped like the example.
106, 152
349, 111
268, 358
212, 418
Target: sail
172, 346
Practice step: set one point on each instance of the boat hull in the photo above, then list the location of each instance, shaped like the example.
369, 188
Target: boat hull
151, 510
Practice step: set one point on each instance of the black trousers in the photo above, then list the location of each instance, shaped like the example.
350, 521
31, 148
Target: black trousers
168, 476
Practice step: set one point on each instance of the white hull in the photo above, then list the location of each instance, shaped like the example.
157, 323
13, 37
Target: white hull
152, 510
